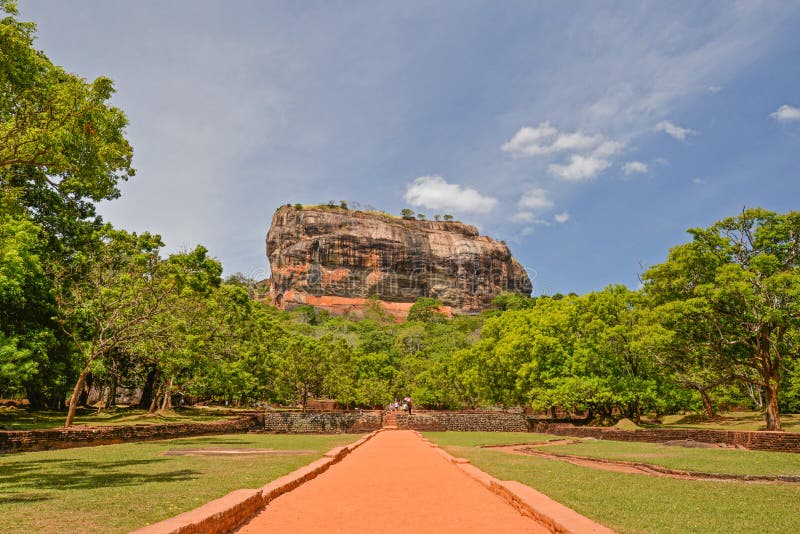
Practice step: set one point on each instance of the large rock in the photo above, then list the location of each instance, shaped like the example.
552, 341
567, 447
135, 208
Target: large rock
336, 259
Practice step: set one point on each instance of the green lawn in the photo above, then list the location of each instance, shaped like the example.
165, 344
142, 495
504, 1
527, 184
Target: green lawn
729, 461
729, 421
638, 503
23, 419
116, 488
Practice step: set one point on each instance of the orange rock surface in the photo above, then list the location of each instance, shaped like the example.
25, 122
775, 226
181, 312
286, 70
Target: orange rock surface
336, 259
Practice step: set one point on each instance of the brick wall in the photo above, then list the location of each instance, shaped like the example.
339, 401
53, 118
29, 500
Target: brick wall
464, 421
757, 440
82, 436
517, 422
321, 423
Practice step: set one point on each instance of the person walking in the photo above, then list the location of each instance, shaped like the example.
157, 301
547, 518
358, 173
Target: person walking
407, 402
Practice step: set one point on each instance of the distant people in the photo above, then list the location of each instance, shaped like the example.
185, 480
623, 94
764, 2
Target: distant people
407, 403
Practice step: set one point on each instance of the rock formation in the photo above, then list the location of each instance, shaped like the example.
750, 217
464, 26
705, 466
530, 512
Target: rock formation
336, 259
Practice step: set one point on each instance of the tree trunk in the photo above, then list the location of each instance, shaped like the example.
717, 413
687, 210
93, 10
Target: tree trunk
154, 401
111, 399
76, 394
149, 386
83, 398
167, 404
708, 406
772, 413
36, 398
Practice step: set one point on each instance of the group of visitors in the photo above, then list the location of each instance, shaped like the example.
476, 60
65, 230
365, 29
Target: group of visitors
406, 406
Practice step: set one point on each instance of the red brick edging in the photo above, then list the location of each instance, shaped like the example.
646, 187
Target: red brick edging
13, 441
527, 501
236, 508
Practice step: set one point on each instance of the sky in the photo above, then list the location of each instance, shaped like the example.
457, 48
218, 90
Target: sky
588, 135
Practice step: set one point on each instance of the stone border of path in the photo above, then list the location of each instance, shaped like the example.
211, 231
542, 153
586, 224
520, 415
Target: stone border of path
526, 500
236, 508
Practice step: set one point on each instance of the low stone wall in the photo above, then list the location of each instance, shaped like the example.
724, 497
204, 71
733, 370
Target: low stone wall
322, 422
756, 440
83, 436
464, 421
518, 422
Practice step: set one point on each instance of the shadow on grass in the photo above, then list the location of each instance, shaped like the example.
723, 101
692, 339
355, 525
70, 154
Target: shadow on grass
70, 474
217, 441
20, 498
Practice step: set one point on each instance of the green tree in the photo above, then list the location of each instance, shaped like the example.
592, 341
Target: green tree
304, 364
59, 132
122, 289
739, 278
63, 149
407, 213
427, 310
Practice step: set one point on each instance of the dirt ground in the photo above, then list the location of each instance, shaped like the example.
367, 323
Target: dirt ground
394, 483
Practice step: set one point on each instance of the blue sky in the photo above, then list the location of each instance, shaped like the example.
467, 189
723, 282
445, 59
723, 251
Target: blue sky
589, 136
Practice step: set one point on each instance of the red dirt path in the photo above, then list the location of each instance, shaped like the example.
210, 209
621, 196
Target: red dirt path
394, 483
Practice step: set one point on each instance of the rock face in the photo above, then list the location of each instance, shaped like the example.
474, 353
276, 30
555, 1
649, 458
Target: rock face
337, 259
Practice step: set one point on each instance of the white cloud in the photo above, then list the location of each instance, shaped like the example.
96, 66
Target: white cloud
528, 217
786, 113
435, 193
562, 217
674, 130
535, 199
523, 216
713, 89
698, 181
608, 148
579, 168
526, 142
545, 139
590, 154
633, 167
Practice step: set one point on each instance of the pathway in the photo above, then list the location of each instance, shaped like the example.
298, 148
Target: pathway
394, 483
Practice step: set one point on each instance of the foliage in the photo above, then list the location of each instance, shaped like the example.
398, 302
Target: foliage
426, 310
737, 285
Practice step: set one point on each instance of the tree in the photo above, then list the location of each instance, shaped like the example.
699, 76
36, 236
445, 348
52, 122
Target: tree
122, 289
407, 213
62, 148
437, 217
740, 280
304, 364
521, 351
448, 217
613, 351
426, 310
56, 127
421, 216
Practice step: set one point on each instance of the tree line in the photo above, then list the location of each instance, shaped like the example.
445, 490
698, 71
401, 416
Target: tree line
85, 305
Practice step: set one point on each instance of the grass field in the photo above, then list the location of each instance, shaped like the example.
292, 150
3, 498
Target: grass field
116, 488
638, 503
729, 461
729, 421
23, 419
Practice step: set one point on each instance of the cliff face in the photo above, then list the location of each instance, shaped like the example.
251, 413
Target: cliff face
336, 259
